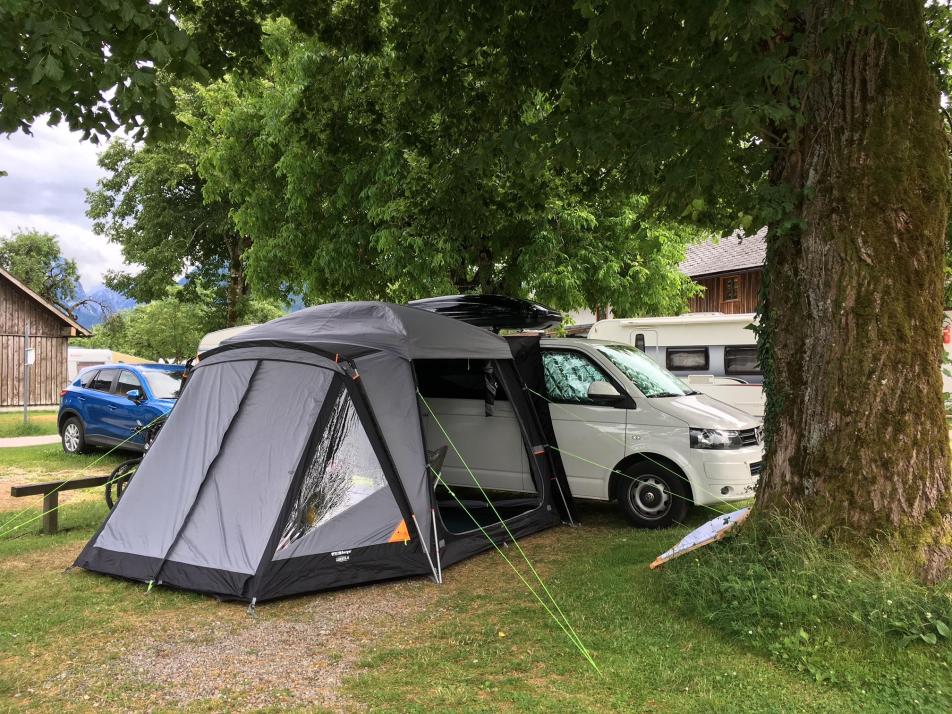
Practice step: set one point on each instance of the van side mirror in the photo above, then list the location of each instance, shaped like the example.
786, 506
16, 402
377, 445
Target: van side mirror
604, 393
134, 395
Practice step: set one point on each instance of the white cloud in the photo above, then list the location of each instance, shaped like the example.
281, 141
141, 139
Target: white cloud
93, 254
48, 173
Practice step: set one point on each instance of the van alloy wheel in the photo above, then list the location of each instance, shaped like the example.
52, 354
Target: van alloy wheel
649, 497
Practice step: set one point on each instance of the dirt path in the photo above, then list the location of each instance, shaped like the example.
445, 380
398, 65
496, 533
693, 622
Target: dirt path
291, 654
14, 441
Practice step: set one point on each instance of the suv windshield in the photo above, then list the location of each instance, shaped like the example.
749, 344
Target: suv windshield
164, 385
652, 380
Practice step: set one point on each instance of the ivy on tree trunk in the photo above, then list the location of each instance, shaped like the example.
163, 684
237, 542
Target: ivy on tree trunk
853, 302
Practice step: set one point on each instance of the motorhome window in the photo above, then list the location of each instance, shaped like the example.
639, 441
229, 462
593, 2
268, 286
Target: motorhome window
681, 358
455, 379
640, 341
568, 376
741, 360
651, 379
730, 288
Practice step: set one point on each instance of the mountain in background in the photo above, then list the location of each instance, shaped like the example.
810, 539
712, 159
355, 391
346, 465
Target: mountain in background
90, 315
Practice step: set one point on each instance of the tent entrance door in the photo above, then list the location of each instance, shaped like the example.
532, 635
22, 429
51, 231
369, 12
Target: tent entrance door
487, 462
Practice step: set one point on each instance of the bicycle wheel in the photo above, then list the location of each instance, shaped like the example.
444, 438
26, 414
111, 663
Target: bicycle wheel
118, 480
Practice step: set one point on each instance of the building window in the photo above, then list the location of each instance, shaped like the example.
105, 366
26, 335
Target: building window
730, 288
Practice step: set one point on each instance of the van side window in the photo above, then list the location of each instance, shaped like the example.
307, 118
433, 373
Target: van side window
455, 379
568, 376
741, 360
682, 358
640, 341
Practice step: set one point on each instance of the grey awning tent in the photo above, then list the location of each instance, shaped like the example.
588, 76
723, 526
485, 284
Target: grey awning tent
295, 460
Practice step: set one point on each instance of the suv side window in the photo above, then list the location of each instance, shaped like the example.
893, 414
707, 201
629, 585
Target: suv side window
568, 375
127, 382
102, 381
87, 377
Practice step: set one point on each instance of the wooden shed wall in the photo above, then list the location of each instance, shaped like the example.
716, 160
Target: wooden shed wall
49, 336
710, 299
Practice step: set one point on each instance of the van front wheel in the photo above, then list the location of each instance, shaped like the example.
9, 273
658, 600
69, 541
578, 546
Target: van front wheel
652, 495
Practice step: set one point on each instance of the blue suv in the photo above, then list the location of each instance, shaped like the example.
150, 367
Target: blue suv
105, 405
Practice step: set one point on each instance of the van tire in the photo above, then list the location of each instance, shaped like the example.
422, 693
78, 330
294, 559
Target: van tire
652, 495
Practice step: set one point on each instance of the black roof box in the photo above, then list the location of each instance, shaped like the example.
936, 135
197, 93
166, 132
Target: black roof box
496, 312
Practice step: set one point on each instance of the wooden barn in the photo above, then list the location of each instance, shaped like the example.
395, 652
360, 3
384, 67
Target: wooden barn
730, 270
50, 331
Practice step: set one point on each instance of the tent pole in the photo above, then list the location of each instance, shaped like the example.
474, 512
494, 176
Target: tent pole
436, 542
425, 549
565, 502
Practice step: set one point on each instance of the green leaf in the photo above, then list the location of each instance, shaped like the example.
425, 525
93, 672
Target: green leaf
928, 638
52, 68
159, 53
942, 628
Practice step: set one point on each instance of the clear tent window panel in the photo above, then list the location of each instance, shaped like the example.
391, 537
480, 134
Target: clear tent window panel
343, 472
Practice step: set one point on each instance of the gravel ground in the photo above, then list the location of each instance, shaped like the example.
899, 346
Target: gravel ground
293, 653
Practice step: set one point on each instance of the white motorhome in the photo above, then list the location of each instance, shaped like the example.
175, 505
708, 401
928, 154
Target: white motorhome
214, 339
714, 353
79, 358
627, 430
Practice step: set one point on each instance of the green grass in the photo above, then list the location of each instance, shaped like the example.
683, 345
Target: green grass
812, 607
37, 462
487, 646
40, 423
696, 637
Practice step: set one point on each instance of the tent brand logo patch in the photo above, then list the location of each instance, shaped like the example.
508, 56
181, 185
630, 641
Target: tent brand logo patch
341, 556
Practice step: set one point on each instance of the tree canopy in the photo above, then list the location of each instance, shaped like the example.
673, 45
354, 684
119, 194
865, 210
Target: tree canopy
35, 259
170, 327
151, 203
350, 194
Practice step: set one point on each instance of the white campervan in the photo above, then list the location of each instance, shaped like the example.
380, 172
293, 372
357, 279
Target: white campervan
627, 430
713, 352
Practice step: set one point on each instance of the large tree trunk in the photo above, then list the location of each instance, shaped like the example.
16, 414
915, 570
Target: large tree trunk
237, 283
853, 305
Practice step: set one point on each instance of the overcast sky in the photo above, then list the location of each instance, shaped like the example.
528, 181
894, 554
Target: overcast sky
47, 173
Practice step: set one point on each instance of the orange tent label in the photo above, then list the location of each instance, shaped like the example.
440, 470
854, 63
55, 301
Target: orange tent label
400, 533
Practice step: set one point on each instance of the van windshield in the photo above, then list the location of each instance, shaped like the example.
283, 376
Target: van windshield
644, 372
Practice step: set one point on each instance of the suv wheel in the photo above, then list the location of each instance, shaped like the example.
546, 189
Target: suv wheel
652, 495
73, 436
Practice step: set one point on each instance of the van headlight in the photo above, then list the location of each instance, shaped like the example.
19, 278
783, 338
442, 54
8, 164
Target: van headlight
715, 439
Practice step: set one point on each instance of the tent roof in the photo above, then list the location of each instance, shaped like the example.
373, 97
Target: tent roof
409, 332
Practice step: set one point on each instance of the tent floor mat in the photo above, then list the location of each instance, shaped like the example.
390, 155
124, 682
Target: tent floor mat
457, 520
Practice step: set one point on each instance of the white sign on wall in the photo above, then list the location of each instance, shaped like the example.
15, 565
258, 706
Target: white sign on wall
30, 356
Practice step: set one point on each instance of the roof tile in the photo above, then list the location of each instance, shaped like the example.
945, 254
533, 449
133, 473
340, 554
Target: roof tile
720, 255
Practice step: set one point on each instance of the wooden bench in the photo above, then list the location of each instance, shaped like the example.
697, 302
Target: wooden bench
51, 491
